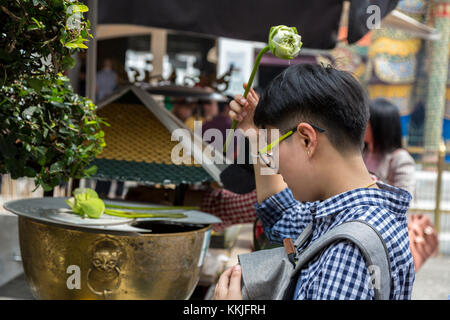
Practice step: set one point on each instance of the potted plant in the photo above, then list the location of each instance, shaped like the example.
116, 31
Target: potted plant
47, 132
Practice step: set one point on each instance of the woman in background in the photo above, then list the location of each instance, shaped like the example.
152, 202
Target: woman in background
384, 155
388, 161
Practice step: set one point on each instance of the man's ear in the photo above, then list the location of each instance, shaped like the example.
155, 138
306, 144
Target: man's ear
368, 137
308, 136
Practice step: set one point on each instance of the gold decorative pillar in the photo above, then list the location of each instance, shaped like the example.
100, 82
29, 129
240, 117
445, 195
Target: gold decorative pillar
393, 62
437, 80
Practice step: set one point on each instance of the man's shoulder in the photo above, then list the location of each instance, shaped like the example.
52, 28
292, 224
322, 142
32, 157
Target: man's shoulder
344, 260
393, 229
387, 223
339, 272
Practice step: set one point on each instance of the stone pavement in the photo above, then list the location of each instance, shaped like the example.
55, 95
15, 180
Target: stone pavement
433, 280
16, 289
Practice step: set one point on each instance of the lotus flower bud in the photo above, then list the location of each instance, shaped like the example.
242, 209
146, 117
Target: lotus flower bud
284, 42
86, 202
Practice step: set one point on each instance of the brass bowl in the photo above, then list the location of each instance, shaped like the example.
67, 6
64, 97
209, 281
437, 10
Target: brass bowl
65, 262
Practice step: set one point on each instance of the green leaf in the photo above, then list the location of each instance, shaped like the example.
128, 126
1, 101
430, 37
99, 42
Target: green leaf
57, 104
29, 172
46, 187
64, 130
89, 147
36, 84
42, 160
91, 170
41, 150
68, 62
37, 2
76, 43
38, 23
82, 46
32, 27
71, 45
57, 167
80, 8
28, 112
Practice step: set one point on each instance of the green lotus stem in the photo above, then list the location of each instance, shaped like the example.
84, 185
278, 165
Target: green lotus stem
284, 43
86, 202
115, 206
247, 90
125, 214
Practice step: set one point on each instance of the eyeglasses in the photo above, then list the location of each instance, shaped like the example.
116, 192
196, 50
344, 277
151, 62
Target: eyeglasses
266, 153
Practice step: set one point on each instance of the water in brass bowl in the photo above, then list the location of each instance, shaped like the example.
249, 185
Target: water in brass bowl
138, 259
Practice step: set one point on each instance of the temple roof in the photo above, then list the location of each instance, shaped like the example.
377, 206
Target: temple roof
139, 145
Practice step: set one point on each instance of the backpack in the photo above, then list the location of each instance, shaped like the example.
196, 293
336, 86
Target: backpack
272, 274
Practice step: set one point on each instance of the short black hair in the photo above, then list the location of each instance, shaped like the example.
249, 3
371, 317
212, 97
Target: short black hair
324, 96
386, 126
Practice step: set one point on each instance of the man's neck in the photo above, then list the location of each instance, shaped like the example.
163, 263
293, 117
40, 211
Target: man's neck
345, 174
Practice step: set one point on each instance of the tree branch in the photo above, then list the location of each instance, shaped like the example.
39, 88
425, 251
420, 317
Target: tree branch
9, 13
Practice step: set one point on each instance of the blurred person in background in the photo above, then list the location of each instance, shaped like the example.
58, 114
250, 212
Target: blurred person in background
106, 80
383, 154
210, 109
183, 109
388, 161
220, 121
205, 110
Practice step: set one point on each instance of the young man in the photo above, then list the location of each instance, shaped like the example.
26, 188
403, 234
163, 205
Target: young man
322, 179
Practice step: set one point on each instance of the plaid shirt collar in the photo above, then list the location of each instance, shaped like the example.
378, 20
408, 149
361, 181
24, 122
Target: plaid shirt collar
394, 199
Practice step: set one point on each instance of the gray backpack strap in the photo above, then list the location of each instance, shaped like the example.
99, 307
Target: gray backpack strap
369, 242
306, 233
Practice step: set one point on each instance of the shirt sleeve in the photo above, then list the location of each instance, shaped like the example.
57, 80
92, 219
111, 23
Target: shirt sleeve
403, 172
342, 275
230, 207
282, 216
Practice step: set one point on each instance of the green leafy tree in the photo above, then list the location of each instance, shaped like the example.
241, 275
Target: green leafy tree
46, 130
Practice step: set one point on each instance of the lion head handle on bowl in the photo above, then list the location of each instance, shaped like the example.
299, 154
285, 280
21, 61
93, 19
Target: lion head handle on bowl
104, 275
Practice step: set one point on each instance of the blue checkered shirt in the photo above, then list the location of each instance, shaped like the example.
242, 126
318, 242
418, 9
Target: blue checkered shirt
340, 271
